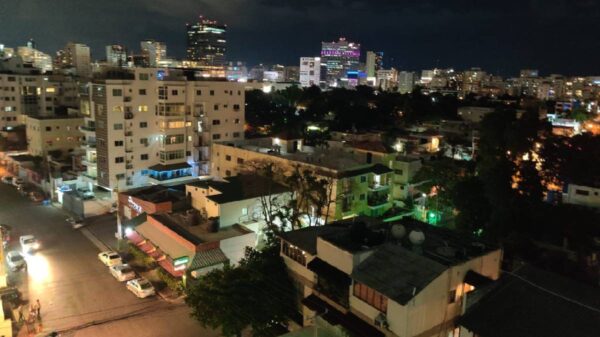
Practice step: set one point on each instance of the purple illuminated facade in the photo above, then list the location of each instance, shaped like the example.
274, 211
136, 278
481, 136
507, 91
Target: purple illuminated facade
339, 58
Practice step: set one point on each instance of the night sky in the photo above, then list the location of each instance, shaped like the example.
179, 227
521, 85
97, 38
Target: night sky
555, 36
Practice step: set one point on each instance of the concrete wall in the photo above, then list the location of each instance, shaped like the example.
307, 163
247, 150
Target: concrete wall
45, 135
583, 195
235, 248
335, 256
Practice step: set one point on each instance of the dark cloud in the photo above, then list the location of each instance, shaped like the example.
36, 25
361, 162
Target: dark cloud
501, 36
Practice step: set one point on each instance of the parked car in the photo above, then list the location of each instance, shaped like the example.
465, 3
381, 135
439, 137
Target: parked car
141, 287
7, 179
122, 272
110, 258
15, 260
10, 294
29, 243
36, 196
16, 181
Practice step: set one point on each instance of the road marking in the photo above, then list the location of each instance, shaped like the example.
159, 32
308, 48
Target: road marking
94, 240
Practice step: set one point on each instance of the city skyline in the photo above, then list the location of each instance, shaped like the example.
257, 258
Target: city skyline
413, 37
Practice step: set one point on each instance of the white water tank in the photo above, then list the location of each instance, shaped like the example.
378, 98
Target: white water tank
398, 231
416, 237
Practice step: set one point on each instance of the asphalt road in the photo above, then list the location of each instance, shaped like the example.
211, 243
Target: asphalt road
77, 293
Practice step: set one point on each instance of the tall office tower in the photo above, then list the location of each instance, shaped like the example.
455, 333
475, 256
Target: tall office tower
406, 82
146, 126
155, 51
310, 71
206, 42
116, 55
340, 57
75, 56
529, 73
291, 74
38, 59
374, 62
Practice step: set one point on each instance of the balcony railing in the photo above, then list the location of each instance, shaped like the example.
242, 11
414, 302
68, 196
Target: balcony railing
88, 128
378, 186
377, 200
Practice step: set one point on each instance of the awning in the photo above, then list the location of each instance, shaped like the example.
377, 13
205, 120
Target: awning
207, 258
351, 322
169, 167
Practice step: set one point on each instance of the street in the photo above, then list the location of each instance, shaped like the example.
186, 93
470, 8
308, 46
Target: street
78, 295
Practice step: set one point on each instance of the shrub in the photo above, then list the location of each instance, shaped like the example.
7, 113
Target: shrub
140, 258
172, 282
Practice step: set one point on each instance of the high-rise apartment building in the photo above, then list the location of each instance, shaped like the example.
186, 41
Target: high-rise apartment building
154, 51
149, 125
54, 133
37, 58
340, 57
206, 42
78, 57
116, 55
374, 63
310, 71
406, 82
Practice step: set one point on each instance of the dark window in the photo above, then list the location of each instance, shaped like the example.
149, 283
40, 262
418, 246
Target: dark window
117, 92
144, 76
143, 124
237, 121
227, 173
144, 156
216, 107
228, 157
48, 128
236, 135
582, 192
199, 92
216, 122
363, 179
216, 136
236, 107
118, 143
212, 92
142, 92
451, 296
362, 197
119, 160
174, 92
240, 161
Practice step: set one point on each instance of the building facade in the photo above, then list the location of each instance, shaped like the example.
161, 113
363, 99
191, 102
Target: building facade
153, 125
51, 134
206, 43
116, 55
153, 51
310, 71
340, 57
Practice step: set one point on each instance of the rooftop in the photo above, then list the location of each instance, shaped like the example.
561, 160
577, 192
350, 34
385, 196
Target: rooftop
197, 234
157, 194
242, 187
335, 159
535, 303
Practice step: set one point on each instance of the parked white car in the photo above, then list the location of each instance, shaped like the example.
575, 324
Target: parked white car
7, 179
15, 260
122, 272
29, 244
17, 181
110, 258
141, 287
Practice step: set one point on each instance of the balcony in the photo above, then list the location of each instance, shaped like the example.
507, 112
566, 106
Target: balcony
128, 115
128, 133
374, 187
88, 128
89, 162
377, 200
128, 149
88, 145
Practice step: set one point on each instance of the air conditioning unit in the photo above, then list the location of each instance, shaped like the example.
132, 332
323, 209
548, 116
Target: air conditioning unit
381, 321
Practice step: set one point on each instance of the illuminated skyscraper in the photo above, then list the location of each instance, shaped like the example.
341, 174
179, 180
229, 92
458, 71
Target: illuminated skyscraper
116, 54
155, 51
206, 42
340, 57
374, 63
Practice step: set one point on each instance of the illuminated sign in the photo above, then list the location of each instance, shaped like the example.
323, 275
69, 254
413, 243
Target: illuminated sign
181, 261
133, 205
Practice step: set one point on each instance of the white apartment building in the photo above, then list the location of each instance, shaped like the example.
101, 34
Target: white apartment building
33, 95
55, 133
149, 126
116, 55
310, 71
406, 82
39, 59
77, 56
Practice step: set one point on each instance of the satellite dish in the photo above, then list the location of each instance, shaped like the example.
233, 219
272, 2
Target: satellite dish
398, 231
416, 237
